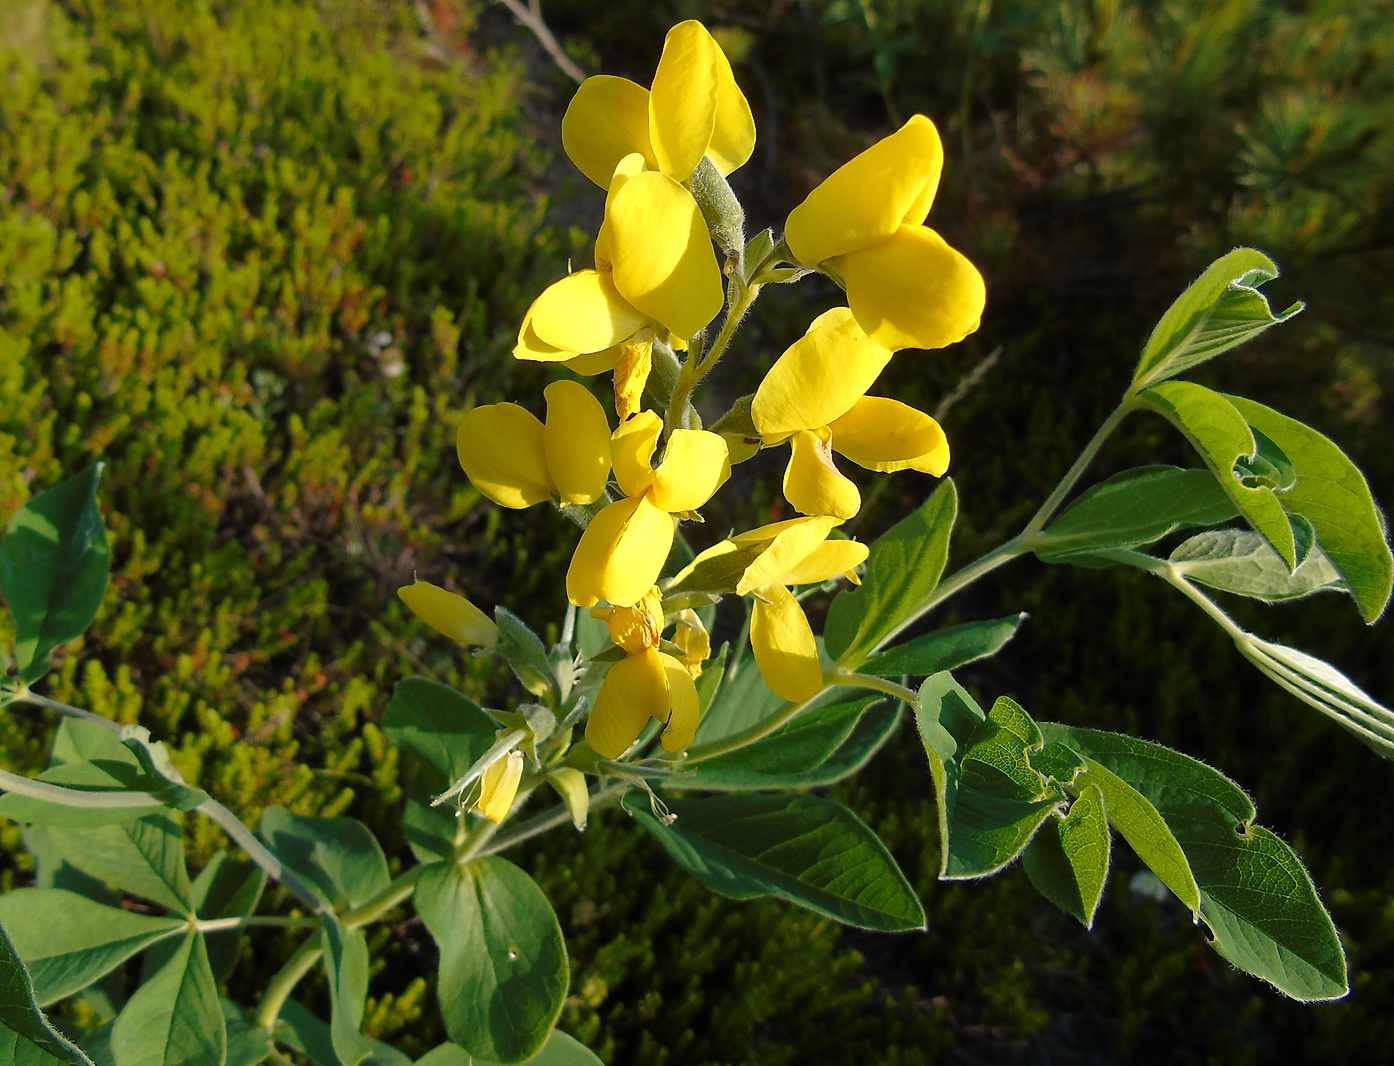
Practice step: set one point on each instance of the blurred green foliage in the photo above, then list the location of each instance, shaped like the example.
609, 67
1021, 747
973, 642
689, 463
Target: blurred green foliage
258, 255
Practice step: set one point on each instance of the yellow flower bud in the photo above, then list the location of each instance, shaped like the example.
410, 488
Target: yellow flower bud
449, 613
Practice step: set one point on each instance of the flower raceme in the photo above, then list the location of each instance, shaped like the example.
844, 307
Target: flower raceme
646, 683
624, 547
654, 263
814, 397
864, 226
516, 460
770, 559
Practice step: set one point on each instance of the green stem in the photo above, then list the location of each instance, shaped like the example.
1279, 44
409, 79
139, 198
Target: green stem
1067, 483
256, 851
283, 984
850, 679
27, 695
217, 925
393, 895
758, 731
75, 797
694, 370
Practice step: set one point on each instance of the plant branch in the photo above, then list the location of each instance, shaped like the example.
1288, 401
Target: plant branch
257, 852
530, 17
1047, 510
851, 679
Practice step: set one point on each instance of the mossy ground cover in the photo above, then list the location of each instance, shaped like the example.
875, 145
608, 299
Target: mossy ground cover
258, 256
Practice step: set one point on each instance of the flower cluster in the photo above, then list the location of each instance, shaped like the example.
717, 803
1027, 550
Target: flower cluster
669, 258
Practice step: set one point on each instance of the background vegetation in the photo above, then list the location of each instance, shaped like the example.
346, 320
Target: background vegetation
258, 255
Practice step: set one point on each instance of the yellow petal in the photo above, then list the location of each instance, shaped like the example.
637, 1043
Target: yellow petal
812, 483
631, 447
829, 559
733, 134
884, 434
531, 346
913, 290
500, 448
634, 628
663, 260
449, 613
499, 785
593, 362
607, 119
792, 542
635, 689
620, 554
784, 647
684, 706
692, 637
632, 373
695, 464
576, 439
819, 377
625, 169
683, 100
866, 199
583, 312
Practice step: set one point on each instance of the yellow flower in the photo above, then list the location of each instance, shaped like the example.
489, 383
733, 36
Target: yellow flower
793, 552
654, 269
813, 397
623, 549
499, 785
449, 613
517, 461
694, 109
646, 683
864, 227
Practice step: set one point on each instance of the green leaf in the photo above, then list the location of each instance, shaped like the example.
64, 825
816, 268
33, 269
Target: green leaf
1223, 438
53, 569
1221, 309
560, 1050
1135, 508
69, 941
175, 1018
526, 654
804, 849
1258, 901
247, 1043
944, 649
1332, 494
346, 968
447, 1055
158, 769
1242, 562
991, 799
446, 733
26, 1038
903, 569
339, 858
822, 745
503, 969
1322, 686
302, 1032
1067, 860
1146, 831
742, 701
1263, 910
145, 857
226, 888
